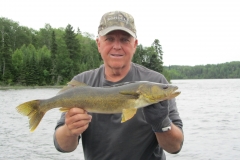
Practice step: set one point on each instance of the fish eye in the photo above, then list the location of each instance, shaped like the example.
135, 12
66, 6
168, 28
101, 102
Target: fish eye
165, 86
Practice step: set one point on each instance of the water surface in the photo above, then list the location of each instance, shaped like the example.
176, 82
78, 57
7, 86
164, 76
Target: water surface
210, 110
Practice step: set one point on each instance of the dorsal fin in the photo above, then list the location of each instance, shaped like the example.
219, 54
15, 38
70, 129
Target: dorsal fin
72, 84
76, 83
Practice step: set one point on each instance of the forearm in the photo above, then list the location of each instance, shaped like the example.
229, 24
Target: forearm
65, 141
172, 140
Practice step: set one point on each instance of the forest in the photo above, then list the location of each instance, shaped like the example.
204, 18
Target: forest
52, 56
209, 71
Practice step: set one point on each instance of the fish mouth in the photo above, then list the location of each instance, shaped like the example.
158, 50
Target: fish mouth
174, 92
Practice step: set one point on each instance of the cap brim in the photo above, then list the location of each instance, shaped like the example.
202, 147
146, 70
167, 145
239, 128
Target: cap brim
113, 28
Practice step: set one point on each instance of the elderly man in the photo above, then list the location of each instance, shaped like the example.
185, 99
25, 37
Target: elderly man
153, 129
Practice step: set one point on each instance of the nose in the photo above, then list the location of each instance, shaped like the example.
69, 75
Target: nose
117, 45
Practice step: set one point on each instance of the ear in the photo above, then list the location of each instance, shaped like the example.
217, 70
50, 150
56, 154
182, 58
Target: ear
135, 43
98, 43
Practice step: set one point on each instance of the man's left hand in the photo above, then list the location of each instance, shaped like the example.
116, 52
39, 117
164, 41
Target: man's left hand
157, 116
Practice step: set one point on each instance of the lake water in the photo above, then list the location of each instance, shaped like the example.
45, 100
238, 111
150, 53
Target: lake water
210, 110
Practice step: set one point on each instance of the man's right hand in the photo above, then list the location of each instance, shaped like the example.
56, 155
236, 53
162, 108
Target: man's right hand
77, 121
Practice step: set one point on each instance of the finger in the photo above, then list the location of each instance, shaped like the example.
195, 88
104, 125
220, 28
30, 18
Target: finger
77, 117
81, 117
80, 130
78, 127
79, 124
74, 111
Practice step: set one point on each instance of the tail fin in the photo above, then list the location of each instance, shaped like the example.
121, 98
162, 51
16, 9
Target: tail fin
31, 109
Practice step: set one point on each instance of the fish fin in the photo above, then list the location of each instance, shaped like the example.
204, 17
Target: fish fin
72, 84
128, 114
64, 109
76, 83
65, 88
32, 110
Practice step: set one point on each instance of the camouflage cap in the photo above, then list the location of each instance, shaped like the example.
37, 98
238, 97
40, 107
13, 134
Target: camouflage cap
117, 20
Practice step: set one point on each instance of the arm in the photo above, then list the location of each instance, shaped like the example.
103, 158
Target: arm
66, 136
172, 140
162, 115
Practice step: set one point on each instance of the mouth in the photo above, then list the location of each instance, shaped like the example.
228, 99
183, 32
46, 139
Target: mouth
116, 55
174, 92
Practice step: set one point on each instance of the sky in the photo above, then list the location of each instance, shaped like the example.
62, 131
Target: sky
191, 32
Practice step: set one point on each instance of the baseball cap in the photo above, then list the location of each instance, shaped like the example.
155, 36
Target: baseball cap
117, 20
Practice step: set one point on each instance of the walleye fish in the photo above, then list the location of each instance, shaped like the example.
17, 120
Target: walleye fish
123, 98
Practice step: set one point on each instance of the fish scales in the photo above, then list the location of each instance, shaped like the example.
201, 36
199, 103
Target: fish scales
124, 98
92, 99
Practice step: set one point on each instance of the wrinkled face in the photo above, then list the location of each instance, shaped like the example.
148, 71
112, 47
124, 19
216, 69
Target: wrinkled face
117, 49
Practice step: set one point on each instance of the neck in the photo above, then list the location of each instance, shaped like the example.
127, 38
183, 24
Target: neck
116, 74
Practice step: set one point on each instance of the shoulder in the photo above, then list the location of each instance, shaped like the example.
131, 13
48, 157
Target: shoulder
146, 74
89, 76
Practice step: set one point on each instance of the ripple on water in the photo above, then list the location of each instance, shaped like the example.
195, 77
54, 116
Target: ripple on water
209, 109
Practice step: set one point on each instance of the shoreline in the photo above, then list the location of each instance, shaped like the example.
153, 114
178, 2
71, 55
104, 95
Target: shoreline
27, 87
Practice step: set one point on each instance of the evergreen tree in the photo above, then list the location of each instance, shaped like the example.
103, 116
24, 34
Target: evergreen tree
1, 53
79, 31
32, 73
6, 59
54, 48
158, 56
53, 45
17, 63
73, 47
45, 65
138, 56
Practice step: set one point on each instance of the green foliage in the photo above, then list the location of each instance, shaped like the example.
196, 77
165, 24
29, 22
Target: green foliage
209, 71
73, 48
150, 57
17, 63
53, 56
6, 53
44, 36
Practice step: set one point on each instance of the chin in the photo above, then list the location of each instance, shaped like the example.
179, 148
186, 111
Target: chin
117, 66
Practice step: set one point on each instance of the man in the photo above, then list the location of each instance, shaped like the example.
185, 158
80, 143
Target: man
104, 137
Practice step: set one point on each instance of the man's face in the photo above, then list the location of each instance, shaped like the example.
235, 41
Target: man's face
117, 49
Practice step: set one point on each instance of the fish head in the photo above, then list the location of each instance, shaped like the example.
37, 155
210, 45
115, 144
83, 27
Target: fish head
156, 92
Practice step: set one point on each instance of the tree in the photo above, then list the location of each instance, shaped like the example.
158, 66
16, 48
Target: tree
18, 64
139, 54
44, 65
54, 48
32, 74
73, 47
159, 55
6, 58
45, 36
90, 57
71, 42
